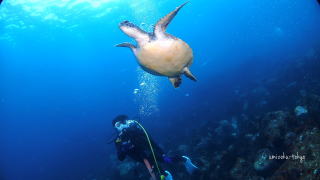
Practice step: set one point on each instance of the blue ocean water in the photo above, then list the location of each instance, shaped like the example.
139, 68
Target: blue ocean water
63, 80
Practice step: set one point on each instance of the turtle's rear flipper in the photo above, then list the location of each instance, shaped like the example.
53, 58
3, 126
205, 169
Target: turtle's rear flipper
188, 73
175, 81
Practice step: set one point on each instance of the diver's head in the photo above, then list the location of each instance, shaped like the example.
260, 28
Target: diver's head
120, 122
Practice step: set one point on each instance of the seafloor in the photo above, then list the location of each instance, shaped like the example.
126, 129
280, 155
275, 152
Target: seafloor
272, 131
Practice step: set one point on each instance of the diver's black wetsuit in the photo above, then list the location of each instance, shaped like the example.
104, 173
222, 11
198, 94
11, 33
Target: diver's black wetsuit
133, 142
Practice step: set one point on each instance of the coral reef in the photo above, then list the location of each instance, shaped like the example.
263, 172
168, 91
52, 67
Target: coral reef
304, 162
272, 132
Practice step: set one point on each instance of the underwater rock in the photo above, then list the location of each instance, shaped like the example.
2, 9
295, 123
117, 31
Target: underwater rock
126, 167
204, 143
252, 137
183, 149
289, 138
262, 161
316, 172
240, 148
240, 170
275, 125
310, 109
304, 158
227, 128
205, 163
300, 110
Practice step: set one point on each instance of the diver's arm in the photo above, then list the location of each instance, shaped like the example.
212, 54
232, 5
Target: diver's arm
121, 154
139, 137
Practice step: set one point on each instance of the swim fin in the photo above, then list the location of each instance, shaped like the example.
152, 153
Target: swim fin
190, 167
169, 176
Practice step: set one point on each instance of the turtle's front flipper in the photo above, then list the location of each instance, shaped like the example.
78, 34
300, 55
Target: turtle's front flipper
126, 44
188, 73
175, 81
163, 23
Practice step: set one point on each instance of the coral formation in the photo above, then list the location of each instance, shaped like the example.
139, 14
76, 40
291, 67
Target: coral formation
271, 132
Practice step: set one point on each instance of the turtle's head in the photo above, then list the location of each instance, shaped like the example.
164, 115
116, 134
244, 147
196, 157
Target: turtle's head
127, 24
129, 28
134, 31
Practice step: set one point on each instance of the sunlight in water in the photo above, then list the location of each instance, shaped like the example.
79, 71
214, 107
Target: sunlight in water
61, 12
46, 7
66, 14
38, 6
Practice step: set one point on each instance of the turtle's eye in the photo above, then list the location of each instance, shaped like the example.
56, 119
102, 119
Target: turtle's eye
127, 23
124, 23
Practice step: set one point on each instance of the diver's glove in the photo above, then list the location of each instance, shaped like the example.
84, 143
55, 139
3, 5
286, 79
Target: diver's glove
169, 176
190, 167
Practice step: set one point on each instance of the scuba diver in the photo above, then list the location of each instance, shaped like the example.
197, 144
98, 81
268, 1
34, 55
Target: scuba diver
133, 141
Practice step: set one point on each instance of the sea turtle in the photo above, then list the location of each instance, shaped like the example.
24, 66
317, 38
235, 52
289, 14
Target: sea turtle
160, 53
